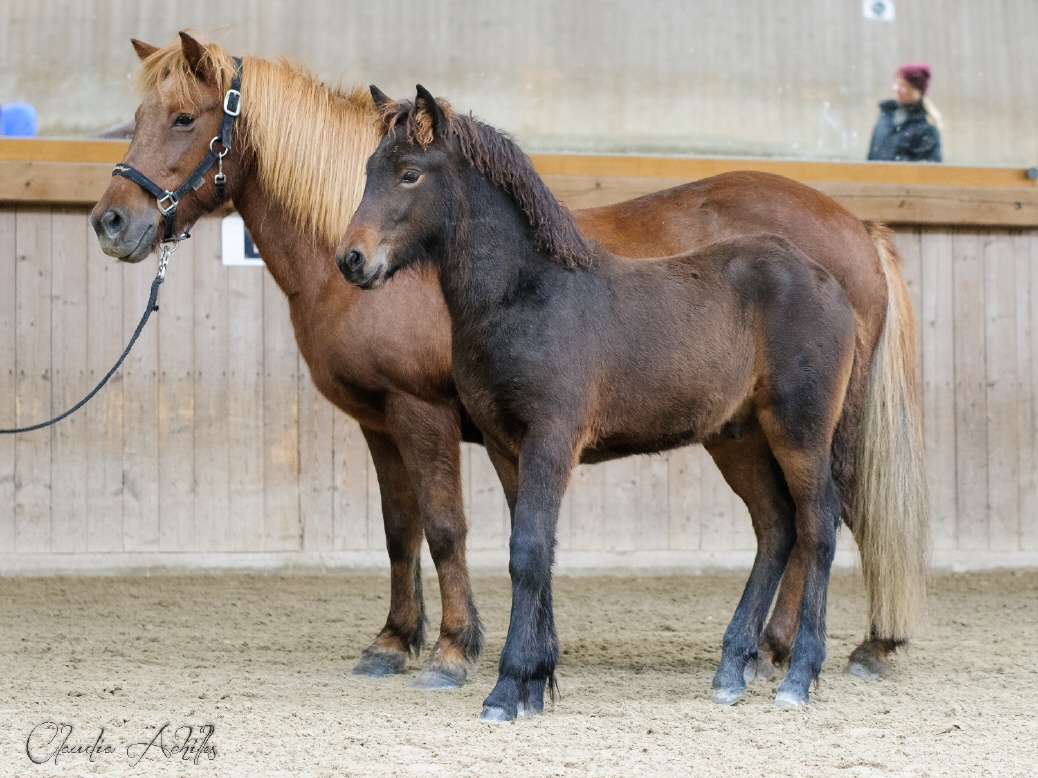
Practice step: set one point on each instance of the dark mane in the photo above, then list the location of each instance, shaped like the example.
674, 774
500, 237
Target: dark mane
500, 159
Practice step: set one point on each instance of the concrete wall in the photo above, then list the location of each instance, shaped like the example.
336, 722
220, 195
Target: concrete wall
737, 77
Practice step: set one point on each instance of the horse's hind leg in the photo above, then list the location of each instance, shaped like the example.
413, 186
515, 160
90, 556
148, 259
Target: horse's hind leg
429, 438
404, 631
750, 469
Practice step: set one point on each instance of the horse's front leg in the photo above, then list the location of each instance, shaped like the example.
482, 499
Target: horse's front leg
404, 631
531, 650
429, 438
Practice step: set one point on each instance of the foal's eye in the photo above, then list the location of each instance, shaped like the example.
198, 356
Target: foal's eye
410, 177
183, 120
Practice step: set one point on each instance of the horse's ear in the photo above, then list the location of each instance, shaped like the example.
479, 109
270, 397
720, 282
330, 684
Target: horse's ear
144, 50
381, 98
195, 54
426, 103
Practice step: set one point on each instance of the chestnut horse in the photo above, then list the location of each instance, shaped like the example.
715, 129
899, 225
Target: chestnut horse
564, 353
295, 172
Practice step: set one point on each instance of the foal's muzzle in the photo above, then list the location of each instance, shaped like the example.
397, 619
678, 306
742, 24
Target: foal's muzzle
358, 270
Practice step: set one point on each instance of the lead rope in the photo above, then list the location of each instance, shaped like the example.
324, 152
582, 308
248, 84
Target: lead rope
153, 305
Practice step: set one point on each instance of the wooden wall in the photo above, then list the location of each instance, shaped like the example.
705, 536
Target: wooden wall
211, 447
735, 78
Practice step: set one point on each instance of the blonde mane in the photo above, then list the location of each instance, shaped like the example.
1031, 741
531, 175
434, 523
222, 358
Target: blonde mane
311, 141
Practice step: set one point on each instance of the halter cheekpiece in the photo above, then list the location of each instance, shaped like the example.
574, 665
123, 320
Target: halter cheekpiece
168, 200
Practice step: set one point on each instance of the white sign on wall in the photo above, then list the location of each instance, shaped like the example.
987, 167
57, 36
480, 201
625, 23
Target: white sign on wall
880, 10
237, 246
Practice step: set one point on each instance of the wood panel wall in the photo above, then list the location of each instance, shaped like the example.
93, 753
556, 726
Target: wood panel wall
211, 447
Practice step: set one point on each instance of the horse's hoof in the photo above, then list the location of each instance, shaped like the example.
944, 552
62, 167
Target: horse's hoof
790, 699
493, 713
867, 665
435, 681
377, 667
727, 696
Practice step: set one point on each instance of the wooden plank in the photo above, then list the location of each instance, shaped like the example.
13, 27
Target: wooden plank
282, 527
1010, 203
8, 367
1002, 393
937, 348
351, 485
587, 491
971, 467
317, 477
80, 183
688, 168
717, 517
652, 521
50, 150
213, 451
74, 447
486, 509
1026, 254
244, 390
684, 479
620, 518
104, 420
32, 463
176, 404
140, 408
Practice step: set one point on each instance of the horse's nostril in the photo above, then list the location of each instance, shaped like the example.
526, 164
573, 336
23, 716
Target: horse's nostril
113, 222
355, 260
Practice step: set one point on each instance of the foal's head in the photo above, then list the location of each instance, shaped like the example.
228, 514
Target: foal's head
417, 199
182, 93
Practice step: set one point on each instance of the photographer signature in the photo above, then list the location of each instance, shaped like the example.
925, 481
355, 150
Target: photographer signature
50, 741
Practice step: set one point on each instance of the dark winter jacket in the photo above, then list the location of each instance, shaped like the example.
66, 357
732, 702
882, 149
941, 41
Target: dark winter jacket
903, 134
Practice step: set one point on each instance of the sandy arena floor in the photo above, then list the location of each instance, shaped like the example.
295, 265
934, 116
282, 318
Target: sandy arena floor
266, 660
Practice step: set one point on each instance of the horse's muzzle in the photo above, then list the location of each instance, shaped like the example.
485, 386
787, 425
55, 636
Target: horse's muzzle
122, 236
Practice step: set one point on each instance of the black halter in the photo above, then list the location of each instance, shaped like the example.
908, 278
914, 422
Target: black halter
168, 200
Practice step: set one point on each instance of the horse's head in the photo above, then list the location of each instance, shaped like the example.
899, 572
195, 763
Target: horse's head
181, 112
405, 208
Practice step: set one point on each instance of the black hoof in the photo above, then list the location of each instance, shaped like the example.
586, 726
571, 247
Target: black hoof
378, 666
435, 680
758, 668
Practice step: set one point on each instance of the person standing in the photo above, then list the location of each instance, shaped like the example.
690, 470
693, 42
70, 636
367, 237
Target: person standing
909, 127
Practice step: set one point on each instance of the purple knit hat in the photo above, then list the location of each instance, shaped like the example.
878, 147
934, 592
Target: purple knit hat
917, 74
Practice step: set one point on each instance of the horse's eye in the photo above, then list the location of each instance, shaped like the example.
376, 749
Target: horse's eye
410, 177
183, 120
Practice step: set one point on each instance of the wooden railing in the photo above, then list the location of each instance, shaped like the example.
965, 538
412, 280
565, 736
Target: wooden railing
77, 172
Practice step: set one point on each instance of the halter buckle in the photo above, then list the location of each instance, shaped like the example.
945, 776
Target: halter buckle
173, 202
232, 102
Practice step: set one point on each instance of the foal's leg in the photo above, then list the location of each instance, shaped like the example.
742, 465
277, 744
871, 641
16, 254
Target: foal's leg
806, 466
531, 650
776, 642
404, 631
750, 469
429, 439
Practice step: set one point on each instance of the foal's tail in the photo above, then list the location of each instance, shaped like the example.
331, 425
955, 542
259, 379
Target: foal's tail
889, 498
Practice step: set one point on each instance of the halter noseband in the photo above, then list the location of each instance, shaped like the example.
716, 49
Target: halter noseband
168, 200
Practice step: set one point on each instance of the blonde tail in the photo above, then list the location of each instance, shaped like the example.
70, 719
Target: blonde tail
890, 501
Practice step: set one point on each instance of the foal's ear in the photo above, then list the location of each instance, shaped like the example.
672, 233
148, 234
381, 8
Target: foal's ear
195, 54
427, 104
144, 50
381, 98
